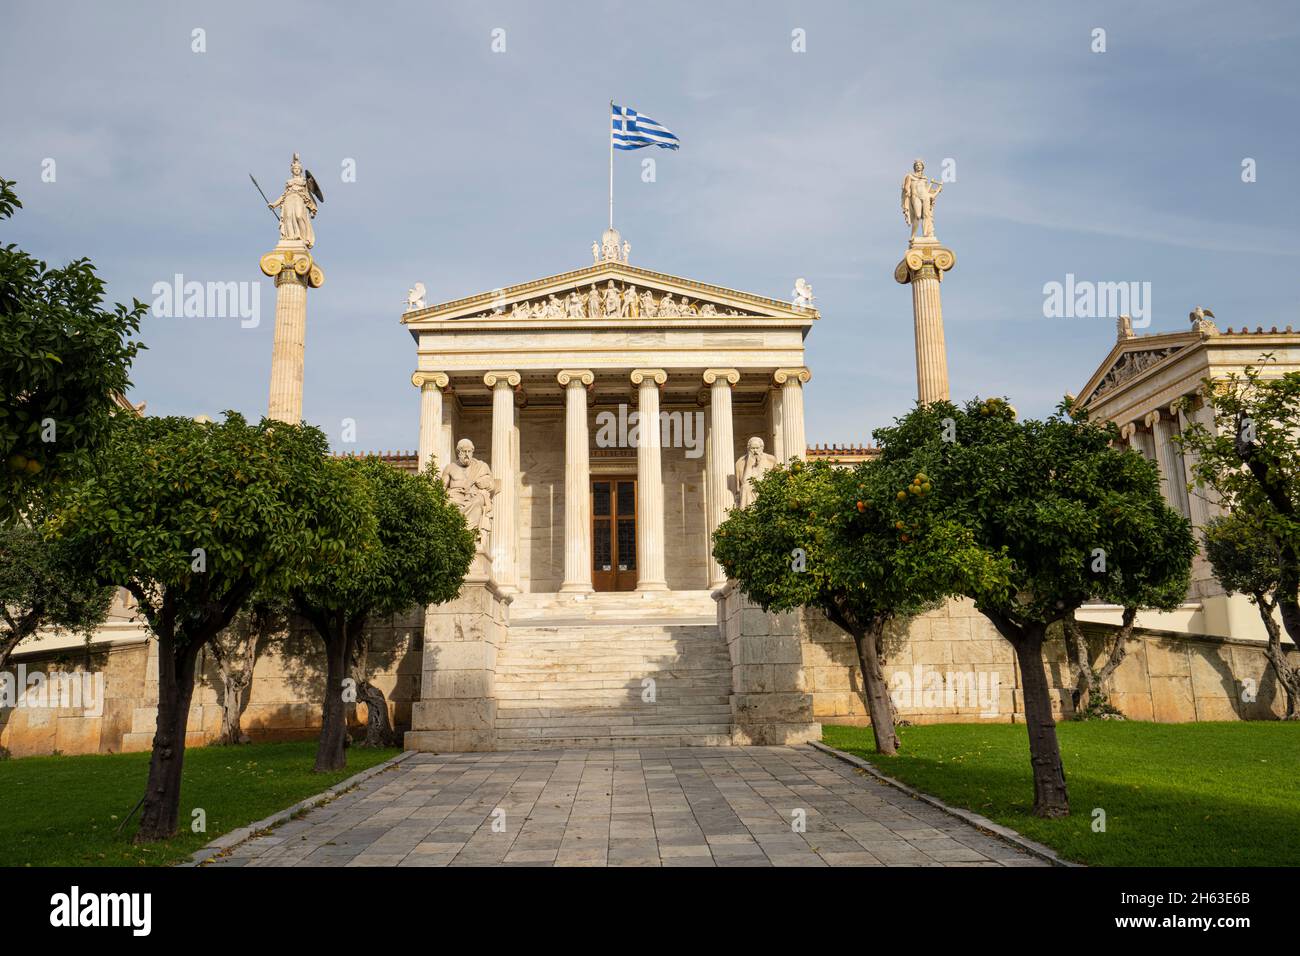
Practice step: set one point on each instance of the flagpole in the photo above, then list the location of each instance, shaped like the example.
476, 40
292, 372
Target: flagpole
611, 164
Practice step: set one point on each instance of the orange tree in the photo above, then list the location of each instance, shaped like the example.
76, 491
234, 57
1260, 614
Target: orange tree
191, 519
864, 546
420, 555
1077, 519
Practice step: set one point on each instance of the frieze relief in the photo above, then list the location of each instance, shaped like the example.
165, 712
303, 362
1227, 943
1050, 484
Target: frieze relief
1131, 364
614, 300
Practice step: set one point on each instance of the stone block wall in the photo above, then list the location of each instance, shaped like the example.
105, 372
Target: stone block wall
1167, 676
770, 703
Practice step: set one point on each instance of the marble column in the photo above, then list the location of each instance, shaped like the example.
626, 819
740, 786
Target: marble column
722, 455
294, 272
923, 268
649, 482
430, 385
774, 424
1191, 410
1169, 458
791, 381
503, 385
577, 481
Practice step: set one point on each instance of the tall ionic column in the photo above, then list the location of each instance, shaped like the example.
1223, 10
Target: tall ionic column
294, 272
791, 380
577, 481
722, 455
503, 385
1191, 410
923, 268
649, 482
1169, 459
430, 385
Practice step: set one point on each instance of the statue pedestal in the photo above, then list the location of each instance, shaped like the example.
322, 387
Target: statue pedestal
457, 709
770, 703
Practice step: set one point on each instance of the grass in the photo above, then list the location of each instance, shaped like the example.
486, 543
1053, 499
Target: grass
1203, 794
64, 811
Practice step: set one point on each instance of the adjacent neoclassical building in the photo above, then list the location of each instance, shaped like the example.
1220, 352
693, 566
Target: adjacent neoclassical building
1151, 386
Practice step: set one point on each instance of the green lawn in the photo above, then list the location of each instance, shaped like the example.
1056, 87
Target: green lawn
1206, 794
64, 811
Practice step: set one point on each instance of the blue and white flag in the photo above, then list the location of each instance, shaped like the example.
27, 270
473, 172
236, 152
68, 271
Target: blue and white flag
632, 130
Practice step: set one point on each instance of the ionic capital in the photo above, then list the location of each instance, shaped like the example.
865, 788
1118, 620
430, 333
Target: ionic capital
1127, 431
575, 377
924, 262
799, 374
423, 380
502, 379
729, 375
1151, 418
656, 375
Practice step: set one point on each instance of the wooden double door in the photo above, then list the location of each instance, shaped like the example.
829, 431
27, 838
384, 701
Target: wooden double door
613, 533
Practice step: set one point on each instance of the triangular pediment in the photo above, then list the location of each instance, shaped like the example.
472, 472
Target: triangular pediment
1132, 358
610, 292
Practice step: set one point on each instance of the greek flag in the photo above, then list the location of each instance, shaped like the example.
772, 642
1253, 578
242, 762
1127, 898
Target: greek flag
632, 130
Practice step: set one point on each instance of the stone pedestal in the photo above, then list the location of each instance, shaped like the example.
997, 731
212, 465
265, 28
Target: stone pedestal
291, 265
770, 703
923, 268
457, 709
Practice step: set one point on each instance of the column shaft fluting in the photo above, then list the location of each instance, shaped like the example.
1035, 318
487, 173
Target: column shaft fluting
429, 455
577, 482
931, 355
503, 502
794, 438
288, 347
722, 454
649, 483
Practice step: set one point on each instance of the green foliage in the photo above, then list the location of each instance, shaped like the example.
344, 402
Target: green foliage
1245, 558
189, 515
1250, 460
873, 546
64, 359
45, 583
1077, 520
421, 554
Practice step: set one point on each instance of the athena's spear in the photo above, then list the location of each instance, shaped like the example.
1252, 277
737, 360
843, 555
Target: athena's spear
268, 202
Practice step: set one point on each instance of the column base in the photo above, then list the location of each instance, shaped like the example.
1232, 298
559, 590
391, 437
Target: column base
643, 586
578, 588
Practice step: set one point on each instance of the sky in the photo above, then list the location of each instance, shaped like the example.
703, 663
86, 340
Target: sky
478, 168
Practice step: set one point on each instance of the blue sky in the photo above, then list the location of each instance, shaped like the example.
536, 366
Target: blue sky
477, 169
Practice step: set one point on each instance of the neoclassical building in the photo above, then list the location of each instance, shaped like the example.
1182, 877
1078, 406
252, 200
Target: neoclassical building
1151, 386
551, 379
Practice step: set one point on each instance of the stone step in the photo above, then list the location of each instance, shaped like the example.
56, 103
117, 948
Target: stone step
613, 606
685, 739
598, 732
513, 711
615, 693
610, 721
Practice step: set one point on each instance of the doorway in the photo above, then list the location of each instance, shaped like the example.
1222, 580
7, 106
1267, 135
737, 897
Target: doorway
613, 533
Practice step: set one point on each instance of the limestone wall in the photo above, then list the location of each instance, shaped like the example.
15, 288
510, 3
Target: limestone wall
1167, 676
284, 703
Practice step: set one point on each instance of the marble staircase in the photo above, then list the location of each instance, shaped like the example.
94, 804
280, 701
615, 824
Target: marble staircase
613, 670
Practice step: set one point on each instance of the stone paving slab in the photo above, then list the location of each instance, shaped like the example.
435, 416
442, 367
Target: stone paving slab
691, 806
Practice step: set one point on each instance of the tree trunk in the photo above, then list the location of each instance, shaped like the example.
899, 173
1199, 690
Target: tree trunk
1287, 676
875, 691
331, 751
1050, 796
1076, 648
379, 729
162, 799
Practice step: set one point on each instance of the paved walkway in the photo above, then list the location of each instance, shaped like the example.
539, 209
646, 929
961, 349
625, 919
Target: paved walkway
697, 806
